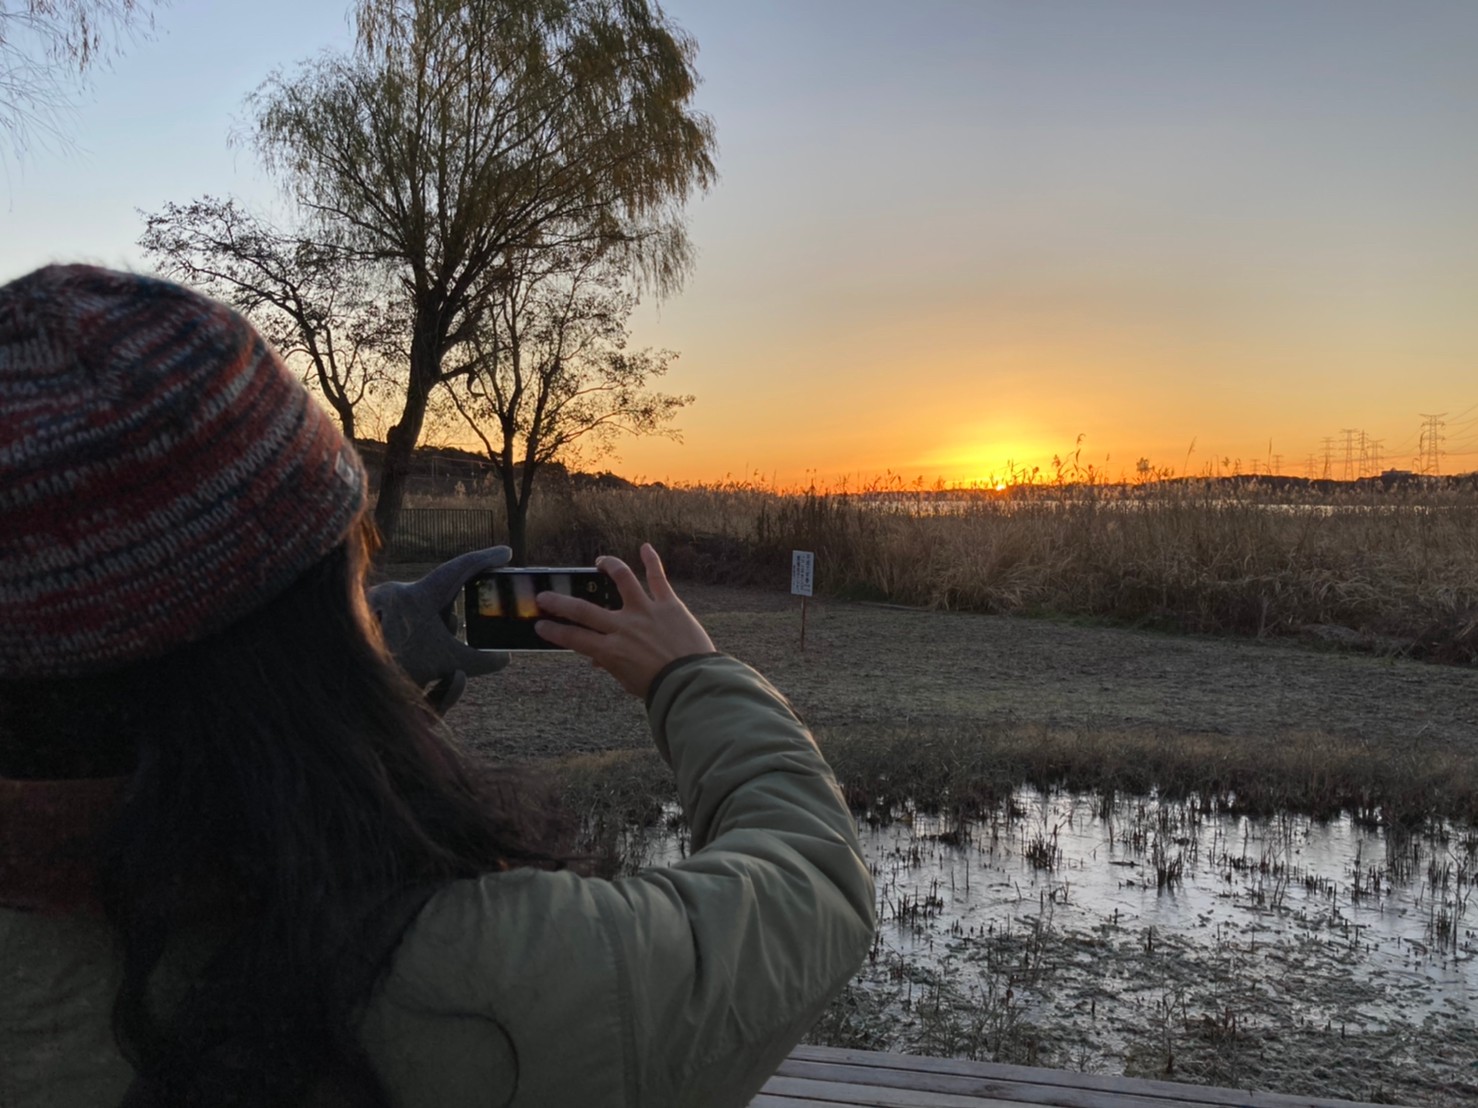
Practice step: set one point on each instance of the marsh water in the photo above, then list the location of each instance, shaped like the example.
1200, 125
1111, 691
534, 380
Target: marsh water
1170, 939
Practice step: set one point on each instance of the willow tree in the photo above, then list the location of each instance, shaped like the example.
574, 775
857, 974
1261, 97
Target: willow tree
459, 134
48, 48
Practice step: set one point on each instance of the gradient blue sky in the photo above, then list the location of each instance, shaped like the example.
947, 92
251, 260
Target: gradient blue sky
953, 235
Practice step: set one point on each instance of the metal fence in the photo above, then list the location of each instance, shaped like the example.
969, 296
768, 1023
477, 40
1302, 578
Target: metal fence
434, 534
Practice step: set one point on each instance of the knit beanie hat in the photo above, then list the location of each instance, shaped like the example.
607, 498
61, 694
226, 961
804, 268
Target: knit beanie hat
161, 472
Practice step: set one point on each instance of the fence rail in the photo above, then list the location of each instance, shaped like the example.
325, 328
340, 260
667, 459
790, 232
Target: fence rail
434, 534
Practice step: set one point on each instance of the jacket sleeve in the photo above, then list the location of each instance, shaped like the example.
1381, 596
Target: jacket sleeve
685, 985
768, 918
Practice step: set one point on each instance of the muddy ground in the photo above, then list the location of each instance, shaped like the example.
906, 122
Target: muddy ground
877, 667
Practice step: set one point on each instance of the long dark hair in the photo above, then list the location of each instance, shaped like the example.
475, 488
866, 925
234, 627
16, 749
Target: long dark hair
288, 784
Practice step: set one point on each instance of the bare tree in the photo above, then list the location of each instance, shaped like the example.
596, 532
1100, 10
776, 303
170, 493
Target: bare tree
550, 374
47, 47
316, 304
462, 133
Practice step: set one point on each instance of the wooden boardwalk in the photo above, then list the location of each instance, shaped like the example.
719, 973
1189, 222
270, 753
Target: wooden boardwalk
823, 1077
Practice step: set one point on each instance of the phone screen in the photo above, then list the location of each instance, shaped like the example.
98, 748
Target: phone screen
501, 609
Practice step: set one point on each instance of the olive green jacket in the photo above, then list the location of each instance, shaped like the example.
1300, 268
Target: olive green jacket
685, 985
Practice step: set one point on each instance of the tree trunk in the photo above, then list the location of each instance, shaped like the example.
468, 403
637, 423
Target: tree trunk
396, 469
401, 440
518, 517
518, 535
342, 408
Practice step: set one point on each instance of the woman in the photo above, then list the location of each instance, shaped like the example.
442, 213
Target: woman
240, 864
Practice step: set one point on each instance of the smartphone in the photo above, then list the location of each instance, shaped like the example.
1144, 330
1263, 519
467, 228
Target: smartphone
501, 610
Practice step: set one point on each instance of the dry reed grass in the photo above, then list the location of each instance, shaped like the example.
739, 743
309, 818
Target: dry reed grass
1396, 569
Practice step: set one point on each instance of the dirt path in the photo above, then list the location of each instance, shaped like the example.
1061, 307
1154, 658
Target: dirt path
872, 666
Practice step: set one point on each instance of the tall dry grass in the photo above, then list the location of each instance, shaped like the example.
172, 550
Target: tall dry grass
1396, 569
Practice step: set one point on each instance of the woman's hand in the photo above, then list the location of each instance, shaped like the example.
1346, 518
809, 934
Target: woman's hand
634, 642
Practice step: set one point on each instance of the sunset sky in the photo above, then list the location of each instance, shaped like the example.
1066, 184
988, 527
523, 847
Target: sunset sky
955, 235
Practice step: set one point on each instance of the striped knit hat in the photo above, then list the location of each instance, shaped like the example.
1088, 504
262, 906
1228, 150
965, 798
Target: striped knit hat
161, 472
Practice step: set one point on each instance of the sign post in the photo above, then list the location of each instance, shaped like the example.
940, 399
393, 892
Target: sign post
802, 577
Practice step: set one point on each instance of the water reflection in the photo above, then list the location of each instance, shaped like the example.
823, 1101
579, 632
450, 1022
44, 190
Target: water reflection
1131, 935
1297, 904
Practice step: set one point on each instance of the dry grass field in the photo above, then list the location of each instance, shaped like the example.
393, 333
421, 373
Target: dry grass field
950, 710
1268, 643
1393, 570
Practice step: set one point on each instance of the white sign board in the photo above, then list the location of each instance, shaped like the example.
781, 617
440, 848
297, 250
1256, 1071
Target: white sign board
802, 572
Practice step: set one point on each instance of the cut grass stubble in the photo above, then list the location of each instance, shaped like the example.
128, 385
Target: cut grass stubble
969, 774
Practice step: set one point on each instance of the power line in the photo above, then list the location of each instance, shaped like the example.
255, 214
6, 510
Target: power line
1465, 411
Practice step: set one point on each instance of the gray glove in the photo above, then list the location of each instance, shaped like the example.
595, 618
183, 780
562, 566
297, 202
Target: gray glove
420, 626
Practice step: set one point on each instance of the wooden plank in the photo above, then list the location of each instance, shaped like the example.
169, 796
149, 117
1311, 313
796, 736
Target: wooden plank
766, 1100
981, 1085
1034, 1075
832, 1093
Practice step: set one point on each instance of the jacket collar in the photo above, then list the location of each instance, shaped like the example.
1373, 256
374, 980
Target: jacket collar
48, 830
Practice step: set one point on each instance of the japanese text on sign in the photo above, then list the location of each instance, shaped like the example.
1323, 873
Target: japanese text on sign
802, 572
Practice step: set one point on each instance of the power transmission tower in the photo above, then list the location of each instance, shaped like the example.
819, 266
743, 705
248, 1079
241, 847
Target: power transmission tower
1431, 442
1349, 452
1311, 466
1277, 464
1364, 454
1328, 455
1375, 445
